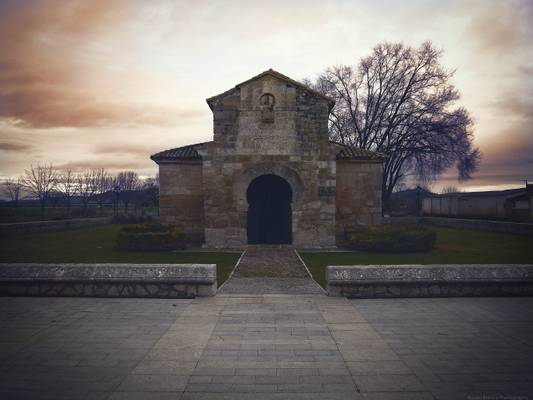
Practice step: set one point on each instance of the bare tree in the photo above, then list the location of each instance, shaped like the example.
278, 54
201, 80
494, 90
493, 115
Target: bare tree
13, 188
67, 185
41, 181
127, 182
399, 101
86, 187
151, 186
104, 183
450, 189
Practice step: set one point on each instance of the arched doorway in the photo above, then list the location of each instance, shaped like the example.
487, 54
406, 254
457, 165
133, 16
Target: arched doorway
269, 218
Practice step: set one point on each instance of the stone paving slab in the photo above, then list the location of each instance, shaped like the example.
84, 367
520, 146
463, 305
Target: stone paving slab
266, 347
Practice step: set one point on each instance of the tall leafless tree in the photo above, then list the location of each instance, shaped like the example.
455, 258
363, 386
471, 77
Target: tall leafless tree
86, 182
13, 188
151, 186
104, 183
41, 181
127, 182
399, 101
67, 185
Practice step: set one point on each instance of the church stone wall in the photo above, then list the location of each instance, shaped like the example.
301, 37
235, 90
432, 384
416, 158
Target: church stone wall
288, 139
181, 199
358, 199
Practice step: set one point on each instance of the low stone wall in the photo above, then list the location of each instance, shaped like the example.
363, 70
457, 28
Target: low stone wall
17, 228
454, 280
109, 280
520, 228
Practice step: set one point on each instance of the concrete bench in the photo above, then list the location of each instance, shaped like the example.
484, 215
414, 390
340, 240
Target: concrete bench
381, 281
108, 280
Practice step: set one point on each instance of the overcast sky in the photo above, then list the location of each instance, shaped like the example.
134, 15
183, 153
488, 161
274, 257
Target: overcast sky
107, 83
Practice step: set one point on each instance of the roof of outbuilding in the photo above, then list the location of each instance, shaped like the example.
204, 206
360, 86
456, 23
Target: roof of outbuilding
354, 153
280, 76
189, 152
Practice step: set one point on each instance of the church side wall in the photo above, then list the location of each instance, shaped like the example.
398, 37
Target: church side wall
181, 200
358, 200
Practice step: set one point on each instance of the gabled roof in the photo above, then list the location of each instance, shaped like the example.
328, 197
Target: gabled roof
354, 153
279, 76
189, 152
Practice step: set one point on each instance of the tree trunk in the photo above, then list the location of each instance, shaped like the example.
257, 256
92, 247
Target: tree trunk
42, 209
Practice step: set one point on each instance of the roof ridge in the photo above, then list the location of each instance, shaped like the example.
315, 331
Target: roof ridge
278, 75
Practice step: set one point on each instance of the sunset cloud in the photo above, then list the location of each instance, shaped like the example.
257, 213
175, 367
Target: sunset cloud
518, 105
501, 27
6, 146
48, 54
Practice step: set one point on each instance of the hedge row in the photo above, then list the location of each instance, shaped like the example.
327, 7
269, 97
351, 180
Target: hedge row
150, 237
393, 238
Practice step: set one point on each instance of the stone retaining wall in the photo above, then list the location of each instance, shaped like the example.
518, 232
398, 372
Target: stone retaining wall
381, 281
108, 280
17, 228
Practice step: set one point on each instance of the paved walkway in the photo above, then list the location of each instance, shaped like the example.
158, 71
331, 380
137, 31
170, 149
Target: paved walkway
270, 270
266, 347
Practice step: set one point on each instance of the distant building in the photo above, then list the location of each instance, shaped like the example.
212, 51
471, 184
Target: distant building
513, 204
270, 175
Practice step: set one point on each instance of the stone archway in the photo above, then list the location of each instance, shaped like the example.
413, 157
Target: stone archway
243, 181
269, 217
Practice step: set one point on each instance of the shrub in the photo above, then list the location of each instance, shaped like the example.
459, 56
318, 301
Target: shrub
393, 238
150, 237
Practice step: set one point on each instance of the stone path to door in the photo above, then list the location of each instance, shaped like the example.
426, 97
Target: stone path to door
271, 269
266, 347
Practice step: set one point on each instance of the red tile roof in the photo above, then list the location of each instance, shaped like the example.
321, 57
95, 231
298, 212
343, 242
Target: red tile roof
189, 152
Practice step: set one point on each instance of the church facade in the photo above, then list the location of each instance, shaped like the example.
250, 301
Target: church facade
271, 175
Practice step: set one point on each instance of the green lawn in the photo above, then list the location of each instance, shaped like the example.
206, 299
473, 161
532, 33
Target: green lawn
454, 246
97, 245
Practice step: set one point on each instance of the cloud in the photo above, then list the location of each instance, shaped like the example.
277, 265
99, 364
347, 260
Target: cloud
526, 70
6, 146
498, 28
52, 107
109, 164
36, 101
53, 72
144, 149
514, 105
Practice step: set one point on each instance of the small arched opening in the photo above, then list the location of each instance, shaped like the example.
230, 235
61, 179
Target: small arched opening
269, 218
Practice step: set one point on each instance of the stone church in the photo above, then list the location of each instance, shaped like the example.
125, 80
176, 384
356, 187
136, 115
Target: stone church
270, 175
